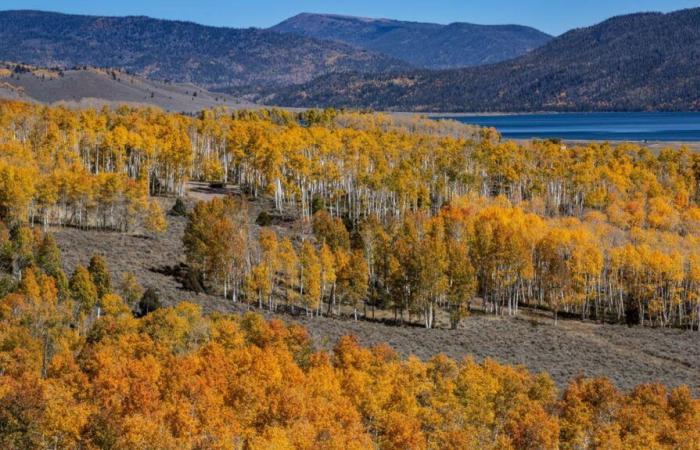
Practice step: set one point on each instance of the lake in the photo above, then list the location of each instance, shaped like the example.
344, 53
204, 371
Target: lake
640, 126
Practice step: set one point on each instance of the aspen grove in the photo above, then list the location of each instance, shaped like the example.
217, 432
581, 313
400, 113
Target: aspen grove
82, 367
407, 214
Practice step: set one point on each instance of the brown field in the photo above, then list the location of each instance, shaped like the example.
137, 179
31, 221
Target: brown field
627, 356
81, 88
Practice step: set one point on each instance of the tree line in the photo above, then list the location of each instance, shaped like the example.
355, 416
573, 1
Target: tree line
475, 247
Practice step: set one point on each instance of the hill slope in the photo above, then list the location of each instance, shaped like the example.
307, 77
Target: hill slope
178, 51
636, 62
95, 87
425, 45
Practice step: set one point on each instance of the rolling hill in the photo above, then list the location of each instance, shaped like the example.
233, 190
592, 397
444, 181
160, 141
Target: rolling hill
97, 87
646, 61
425, 45
178, 51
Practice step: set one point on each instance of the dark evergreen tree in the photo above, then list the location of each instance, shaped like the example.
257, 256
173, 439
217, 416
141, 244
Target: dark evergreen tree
150, 301
179, 209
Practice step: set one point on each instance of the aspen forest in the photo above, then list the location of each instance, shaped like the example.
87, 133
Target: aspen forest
406, 214
422, 221
82, 366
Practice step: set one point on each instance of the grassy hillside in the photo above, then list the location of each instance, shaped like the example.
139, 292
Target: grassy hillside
87, 87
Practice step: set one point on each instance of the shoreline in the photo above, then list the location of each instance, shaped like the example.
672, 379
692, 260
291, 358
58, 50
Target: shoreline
681, 130
537, 113
653, 146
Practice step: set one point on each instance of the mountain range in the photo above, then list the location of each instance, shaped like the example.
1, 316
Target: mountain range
242, 60
179, 51
646, 61
424, 45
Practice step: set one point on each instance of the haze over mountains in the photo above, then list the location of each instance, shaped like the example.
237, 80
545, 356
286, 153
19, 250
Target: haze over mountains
643, 61
426, 45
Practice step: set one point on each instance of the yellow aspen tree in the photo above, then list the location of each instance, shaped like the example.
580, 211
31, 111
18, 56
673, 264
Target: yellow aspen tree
83, 290
353, 277
289, 268
269, 246
258, 284
154, 219
100, 275
131, 289
328, 273
309, 277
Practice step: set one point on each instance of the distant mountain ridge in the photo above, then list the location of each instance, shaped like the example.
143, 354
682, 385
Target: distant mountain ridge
179, 51
646, 61
426, 45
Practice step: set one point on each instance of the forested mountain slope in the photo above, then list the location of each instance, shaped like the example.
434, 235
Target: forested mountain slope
427, 45
178, 51
636, 62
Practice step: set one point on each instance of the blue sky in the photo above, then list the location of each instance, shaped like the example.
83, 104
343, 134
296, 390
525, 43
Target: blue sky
551, 16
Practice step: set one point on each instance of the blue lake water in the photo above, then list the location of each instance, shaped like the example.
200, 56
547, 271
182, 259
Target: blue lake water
594, 126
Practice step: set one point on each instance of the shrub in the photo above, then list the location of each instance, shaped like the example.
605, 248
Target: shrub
150, 302
316, 204
8, 284
264, 219
179, 209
